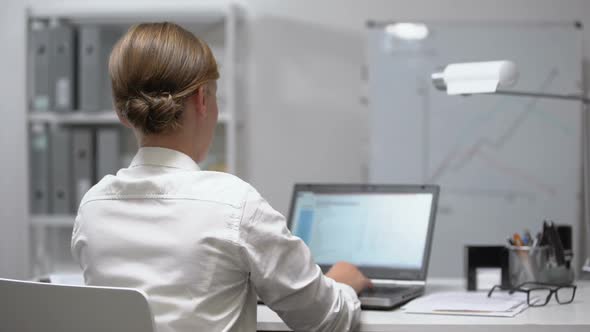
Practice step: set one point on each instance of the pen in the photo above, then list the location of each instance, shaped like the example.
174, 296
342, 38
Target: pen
528, 238
517, 240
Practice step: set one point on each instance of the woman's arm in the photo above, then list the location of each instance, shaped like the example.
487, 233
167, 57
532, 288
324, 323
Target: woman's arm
285, 276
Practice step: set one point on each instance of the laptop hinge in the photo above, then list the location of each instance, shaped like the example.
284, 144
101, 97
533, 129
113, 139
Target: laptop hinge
393, 282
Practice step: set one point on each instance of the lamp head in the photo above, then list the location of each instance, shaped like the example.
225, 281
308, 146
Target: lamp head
475, 77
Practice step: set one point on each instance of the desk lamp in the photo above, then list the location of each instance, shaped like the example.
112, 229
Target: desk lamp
489, 78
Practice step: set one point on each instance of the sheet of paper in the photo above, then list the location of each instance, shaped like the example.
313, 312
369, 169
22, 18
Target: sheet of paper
468, 303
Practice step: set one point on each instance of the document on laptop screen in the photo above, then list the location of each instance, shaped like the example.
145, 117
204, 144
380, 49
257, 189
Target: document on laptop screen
365, 229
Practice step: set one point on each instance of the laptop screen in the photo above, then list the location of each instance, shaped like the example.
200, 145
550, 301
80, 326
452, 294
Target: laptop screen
368, 229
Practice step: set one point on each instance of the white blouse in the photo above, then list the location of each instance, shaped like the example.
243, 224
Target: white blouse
202, 245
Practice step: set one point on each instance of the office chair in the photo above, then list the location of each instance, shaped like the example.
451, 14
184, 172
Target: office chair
42, 307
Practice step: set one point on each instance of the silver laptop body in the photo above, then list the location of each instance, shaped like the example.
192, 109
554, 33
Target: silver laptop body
385, 230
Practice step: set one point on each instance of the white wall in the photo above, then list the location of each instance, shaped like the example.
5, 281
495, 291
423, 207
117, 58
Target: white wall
303, 117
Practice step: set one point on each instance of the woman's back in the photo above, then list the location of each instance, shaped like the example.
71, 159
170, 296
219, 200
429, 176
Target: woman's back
173, 231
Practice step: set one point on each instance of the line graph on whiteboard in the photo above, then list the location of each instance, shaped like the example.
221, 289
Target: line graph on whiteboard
477, 162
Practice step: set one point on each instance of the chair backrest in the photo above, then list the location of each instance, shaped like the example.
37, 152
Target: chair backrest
41, 307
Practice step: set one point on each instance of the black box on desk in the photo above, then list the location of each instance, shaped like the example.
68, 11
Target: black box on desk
485, 257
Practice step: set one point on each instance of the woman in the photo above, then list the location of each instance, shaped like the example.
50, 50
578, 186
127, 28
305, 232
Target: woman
201, 244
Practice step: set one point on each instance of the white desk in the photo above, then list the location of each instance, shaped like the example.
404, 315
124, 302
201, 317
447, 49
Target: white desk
553, 317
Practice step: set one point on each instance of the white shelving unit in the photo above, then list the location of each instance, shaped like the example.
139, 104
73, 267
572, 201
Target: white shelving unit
196, 16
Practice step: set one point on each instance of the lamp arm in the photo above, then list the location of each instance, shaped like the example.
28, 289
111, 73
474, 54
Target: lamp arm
580, 98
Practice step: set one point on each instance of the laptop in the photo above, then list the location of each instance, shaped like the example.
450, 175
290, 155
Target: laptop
385, 230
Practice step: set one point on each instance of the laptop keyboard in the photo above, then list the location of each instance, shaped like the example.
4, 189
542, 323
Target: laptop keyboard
382, 291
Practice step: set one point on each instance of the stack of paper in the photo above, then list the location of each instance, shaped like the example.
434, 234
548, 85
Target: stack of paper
76, 279
472, 303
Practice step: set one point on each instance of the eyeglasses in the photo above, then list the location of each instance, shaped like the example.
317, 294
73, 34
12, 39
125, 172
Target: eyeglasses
539, 294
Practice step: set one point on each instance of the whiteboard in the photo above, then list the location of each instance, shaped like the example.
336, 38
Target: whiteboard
504, 163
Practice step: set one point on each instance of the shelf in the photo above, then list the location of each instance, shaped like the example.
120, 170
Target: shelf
53, 220
124, 12
90, 118
75, 118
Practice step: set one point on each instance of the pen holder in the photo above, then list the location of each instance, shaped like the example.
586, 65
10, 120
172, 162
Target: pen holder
536, 264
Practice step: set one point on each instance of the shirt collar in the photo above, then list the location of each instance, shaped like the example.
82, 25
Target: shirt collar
156, 156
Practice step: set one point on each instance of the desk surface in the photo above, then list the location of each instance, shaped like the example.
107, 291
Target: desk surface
552, 317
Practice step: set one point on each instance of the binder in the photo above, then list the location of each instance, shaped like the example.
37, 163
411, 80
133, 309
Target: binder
82, 162
94, 49
40, 96
61, 171
107, 152
39, 168
62, 66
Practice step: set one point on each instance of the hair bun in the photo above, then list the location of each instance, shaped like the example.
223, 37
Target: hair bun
154, 113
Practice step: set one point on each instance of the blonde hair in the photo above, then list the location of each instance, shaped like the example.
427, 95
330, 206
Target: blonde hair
153, 68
